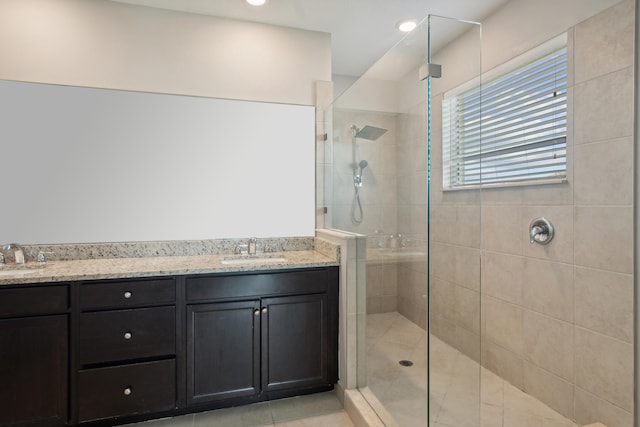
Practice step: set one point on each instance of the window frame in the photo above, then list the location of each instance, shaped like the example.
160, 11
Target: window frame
510, 67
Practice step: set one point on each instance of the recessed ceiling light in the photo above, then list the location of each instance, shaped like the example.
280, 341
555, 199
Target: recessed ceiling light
256, 2
406, 25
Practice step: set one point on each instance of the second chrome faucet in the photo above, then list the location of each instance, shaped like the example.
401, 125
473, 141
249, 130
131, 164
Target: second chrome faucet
16, 252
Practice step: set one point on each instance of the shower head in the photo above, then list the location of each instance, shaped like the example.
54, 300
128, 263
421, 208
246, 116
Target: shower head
369, 132
363, 164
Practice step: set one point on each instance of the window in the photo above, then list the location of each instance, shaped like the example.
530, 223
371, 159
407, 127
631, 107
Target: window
511, 130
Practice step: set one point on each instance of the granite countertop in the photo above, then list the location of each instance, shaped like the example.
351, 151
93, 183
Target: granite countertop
114, 268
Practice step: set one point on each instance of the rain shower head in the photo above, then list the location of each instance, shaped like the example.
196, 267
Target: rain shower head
363, 164
369, 132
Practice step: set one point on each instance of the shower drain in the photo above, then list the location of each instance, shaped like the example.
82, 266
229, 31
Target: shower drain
406, 363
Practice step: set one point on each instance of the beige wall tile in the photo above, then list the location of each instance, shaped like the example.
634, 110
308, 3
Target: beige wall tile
548, 288
459, 225
502, 229
374, 280
503, 196
548, 344
604, 172
604, 43
602, 108
457, 264
502, 276
604, 302
551, 390
503, 324
604, 238
561, 247
591, 409
390, 279
467, 308
503, 362
604, 367
442, 294
551, 194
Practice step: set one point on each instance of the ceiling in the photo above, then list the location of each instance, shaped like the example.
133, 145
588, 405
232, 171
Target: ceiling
361, 30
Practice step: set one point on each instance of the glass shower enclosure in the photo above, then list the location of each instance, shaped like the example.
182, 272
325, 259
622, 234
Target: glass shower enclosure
379, 186
469, 320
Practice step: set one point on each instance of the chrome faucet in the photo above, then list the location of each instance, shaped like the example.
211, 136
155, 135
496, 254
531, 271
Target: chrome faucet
16, 250
252, 245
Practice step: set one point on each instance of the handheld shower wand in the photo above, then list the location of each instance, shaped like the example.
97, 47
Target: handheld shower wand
357, 177
357, 216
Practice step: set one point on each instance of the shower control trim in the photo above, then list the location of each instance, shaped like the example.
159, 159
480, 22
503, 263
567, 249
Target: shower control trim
540, 231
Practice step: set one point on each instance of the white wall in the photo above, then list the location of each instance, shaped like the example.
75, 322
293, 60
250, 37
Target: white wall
101, 43
104, 44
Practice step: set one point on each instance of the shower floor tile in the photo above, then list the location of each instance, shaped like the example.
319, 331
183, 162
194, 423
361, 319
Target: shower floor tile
457, 398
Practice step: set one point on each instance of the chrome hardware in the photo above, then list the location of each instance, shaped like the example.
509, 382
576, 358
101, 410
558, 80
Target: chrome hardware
40, 257
430, 70
256, 312
127, 335
18, 253
1, 258
540, 231
252, 246
127, 295
127, 391
264, 310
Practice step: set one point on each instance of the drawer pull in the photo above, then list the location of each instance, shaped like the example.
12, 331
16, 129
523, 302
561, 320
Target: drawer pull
264, 310
256, 312
128, 335
127, 391
127, 295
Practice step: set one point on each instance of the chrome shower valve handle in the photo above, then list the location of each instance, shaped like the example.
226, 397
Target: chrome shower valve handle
540, 231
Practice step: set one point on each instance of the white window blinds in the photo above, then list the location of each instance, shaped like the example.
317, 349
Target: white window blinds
511, 130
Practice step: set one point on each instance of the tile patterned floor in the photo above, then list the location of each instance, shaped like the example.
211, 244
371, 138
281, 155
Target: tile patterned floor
314, 410
457, 400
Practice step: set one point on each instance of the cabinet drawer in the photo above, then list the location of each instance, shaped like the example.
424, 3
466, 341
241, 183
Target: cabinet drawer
127, 293
49, 299
127, 390
256, 285
126, 334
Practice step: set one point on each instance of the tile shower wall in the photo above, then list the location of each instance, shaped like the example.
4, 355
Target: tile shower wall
556, 319
377, 195
411, 163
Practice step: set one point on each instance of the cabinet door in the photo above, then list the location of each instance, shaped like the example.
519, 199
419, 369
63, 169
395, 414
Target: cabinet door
223, 351
33, 370
294, 342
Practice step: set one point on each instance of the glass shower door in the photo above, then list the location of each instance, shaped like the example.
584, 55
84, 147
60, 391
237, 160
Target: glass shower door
454, 322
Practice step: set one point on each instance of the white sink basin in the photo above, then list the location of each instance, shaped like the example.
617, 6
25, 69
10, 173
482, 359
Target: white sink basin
249, 259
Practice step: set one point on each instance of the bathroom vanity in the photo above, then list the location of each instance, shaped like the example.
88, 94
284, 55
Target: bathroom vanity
125, 346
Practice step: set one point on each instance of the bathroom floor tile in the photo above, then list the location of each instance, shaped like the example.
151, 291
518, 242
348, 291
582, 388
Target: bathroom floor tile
313, 410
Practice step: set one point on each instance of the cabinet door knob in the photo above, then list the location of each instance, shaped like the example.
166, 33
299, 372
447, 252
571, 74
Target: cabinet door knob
264, 310
127, 295
256, 312
127, 335
127, 391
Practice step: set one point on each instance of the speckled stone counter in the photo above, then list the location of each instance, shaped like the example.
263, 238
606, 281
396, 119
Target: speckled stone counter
147, 266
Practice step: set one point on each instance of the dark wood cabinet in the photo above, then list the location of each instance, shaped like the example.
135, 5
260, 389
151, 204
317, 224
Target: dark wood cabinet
126, 348
295, 336
275, 335
109, 352
127, 389
223, 351
34, 356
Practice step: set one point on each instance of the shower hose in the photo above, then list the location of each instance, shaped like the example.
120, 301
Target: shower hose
356, 207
